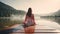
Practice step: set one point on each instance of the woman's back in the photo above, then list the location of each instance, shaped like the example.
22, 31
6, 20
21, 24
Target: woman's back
31, 19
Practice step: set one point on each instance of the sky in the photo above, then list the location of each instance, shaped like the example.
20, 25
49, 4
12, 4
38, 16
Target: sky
41, 7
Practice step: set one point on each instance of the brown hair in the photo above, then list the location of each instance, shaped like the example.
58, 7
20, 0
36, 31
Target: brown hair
29, 13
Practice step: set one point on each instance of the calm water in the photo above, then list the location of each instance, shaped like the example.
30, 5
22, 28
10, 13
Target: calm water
47, 22
39, 21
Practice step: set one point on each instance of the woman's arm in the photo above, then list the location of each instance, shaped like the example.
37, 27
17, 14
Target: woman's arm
33, 18
25, 19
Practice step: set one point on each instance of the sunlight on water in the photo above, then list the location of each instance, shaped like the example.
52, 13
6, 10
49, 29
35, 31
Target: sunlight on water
41, 21
38, 20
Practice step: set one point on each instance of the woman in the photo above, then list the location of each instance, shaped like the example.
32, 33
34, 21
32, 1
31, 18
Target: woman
29, 25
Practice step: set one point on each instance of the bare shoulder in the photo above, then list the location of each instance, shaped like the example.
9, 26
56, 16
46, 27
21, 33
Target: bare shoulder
32, 14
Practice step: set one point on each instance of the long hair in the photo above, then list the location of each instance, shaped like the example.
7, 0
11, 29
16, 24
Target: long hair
29, 13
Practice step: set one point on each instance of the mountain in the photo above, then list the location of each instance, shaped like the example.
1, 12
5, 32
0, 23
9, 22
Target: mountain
56, 13
6, 10
4, 6
53, 17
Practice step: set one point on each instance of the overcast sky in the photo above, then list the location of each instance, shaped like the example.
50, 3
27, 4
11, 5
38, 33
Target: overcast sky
39, 6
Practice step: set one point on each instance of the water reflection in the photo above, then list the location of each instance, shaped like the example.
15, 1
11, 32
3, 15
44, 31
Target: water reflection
12, 29
37, 30
39, 21
55, 21
52, 18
